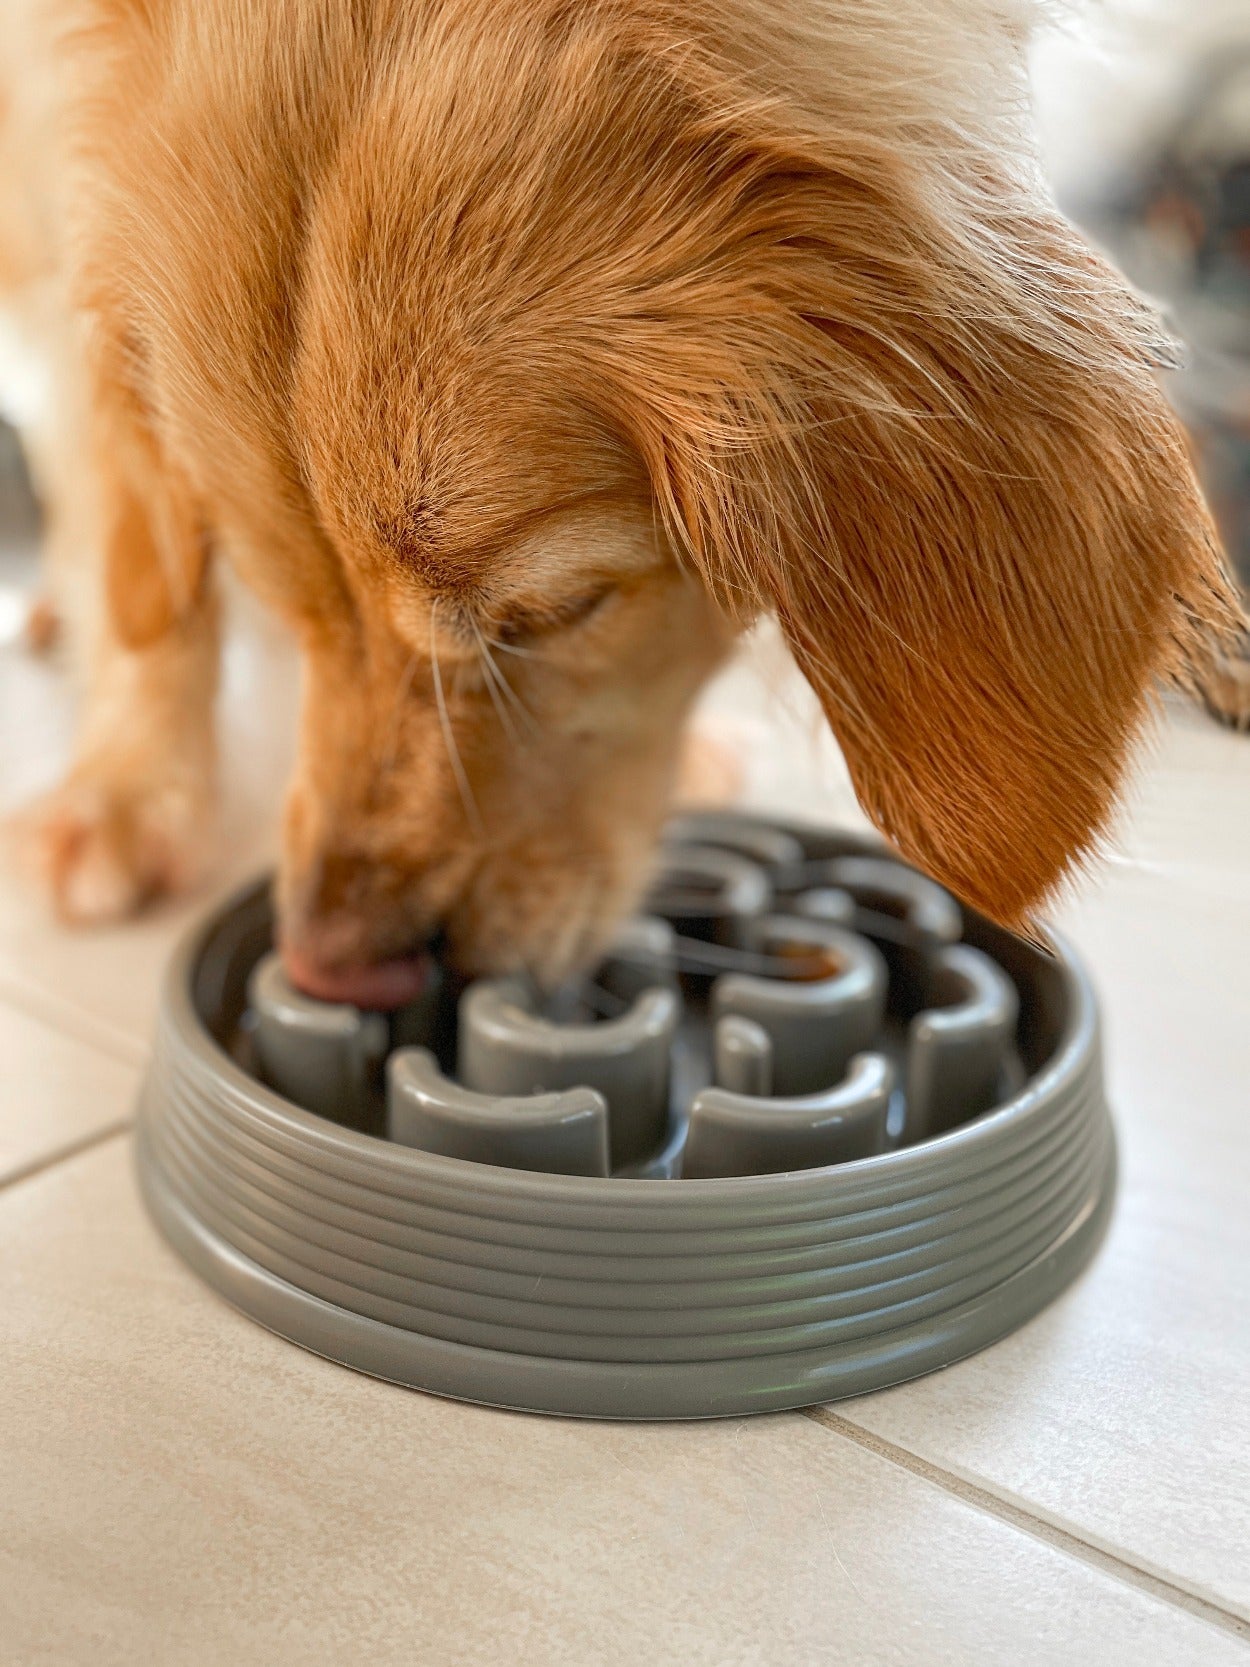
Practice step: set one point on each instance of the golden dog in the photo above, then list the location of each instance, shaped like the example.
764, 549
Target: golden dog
519, 353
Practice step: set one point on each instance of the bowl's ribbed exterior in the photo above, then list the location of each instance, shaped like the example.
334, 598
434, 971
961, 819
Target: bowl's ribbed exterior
624, 1298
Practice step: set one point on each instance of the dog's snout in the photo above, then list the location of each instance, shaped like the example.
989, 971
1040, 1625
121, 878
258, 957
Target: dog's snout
347, 933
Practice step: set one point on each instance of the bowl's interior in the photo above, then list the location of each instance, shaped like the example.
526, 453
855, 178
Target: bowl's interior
728, 967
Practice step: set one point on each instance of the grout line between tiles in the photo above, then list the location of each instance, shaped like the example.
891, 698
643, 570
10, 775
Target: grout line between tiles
1025, 1521
62, 1154
70, 1020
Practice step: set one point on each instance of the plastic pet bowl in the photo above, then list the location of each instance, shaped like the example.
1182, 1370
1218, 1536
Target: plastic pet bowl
811, 1129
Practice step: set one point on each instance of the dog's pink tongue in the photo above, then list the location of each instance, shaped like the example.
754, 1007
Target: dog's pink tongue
383, 984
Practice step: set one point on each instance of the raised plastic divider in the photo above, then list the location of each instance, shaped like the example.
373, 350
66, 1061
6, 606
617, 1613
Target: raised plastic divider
561, 1134
957, 1045
778, 853
882, 886
904, 913
742, 1134
815, 1024
508, 1048
710, 894
323, 1055
742, 1057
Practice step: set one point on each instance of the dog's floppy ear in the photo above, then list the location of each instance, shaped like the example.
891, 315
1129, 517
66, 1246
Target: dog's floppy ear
927, 434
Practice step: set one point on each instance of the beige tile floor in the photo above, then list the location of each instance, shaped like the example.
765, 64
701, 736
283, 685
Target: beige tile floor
178, 1486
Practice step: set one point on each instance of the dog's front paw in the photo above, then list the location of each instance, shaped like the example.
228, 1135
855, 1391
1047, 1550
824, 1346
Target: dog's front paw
102, 850
1226, 691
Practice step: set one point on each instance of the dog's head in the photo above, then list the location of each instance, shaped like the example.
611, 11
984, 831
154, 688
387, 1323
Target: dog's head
580, 345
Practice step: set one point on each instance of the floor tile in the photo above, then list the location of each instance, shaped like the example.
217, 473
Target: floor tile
99, 983
1188, 817
1122, 1411
55, 1093
181, 1486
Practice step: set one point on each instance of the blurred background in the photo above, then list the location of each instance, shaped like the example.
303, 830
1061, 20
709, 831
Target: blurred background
1144, 110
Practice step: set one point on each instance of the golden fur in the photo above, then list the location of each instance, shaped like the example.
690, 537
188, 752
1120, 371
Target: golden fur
518, 352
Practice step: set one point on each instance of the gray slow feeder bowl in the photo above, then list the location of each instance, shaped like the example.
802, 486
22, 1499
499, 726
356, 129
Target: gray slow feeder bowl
812, 1129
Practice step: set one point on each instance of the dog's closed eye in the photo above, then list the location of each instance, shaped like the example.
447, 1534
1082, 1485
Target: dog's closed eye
463, 626
522, 625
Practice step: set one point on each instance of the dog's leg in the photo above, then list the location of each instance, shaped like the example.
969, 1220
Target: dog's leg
135, 814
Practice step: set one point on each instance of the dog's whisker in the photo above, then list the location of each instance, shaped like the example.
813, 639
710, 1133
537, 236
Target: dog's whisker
504, 716
497, 687
496, 677
472, 813
512, 648
514, 700
488, 645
